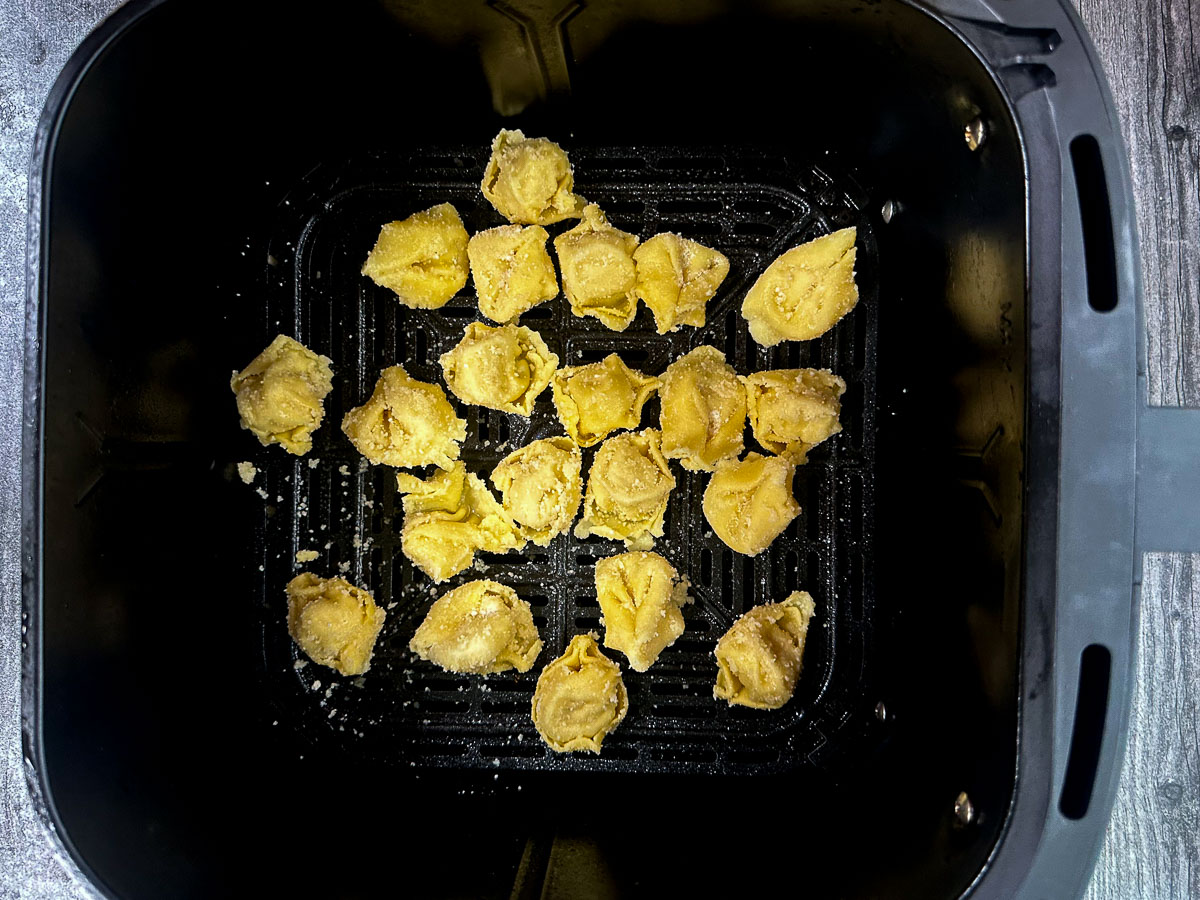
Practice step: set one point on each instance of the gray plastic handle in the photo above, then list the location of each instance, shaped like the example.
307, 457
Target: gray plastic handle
1168, 480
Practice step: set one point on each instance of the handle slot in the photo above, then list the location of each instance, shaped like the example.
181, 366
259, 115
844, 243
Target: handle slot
1091, 711
1095, 213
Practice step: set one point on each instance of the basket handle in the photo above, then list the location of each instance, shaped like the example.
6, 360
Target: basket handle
1168, 480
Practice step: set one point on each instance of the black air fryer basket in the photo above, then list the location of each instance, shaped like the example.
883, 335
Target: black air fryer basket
207, 178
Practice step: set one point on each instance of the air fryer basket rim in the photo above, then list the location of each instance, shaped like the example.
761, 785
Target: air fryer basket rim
1071, 552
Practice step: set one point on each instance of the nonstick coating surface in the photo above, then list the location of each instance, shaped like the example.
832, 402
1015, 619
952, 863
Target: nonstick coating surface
752, 206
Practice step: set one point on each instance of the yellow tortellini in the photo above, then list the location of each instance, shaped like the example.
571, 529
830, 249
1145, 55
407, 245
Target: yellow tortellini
423, 258
280, 395
676, 278
512, 270
640, 595
480, 628
503, 367
530, 181
448, 517
703, 412
406, 423
541, 487
598, 274
759, 657
793, 410
627, 490
580, 698
804, 292
749, 503
597, 399
333, 622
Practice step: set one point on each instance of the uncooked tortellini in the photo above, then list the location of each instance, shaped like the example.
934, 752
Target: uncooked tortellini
749, 503
579, 698
529, 180
597, 399
676, 278
640, 595
793, 410
423, 258
512, 270
502, 368
479, 628
628, 487
405, 423
703, 412
448, 517
598, 274
759, 657
541, 487
280, 395
333, 621
804, 292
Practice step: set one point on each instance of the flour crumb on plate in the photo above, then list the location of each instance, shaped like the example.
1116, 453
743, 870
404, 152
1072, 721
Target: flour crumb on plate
247, 471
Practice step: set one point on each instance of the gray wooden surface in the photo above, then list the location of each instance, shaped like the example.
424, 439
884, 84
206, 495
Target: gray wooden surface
1151, 849
1151, 51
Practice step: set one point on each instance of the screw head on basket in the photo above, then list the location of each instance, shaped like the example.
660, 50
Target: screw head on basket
975, 133
964, 809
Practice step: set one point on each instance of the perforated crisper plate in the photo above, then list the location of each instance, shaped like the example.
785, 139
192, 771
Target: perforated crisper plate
751, 206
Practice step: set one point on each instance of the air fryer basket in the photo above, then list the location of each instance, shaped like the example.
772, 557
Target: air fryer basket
205, 182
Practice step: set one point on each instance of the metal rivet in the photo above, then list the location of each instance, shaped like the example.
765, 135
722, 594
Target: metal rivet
975, 133
890, 208
881, 711
964, 809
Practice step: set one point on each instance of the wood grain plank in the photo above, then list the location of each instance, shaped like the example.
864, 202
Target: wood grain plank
1151, 53
1152, 848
